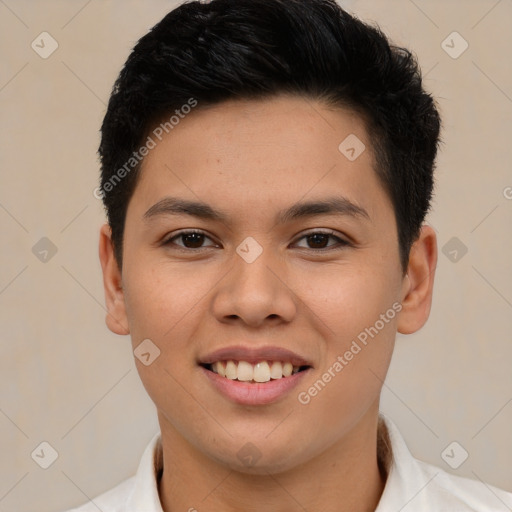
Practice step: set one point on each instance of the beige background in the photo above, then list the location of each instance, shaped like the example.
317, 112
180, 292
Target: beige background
66, 380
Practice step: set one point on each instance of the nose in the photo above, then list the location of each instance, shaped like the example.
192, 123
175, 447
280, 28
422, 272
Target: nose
255, 292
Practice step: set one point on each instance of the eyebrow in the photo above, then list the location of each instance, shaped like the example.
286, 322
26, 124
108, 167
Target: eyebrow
330, 206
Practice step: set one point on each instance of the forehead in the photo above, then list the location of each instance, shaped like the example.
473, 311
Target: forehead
253, 154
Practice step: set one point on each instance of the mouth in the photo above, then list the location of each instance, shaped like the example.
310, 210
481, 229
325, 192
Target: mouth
258, 373
254, 376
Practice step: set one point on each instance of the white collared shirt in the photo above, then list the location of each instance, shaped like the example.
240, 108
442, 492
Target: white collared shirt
411, 486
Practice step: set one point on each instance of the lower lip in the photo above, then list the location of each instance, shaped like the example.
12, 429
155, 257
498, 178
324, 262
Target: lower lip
246, 393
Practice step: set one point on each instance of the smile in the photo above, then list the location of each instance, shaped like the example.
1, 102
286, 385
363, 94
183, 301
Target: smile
250, 375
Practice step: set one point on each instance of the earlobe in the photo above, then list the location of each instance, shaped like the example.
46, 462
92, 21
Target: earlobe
116, 318
418, 283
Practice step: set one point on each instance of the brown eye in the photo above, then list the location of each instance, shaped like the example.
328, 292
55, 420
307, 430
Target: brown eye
319, 240
189, 240
193, 240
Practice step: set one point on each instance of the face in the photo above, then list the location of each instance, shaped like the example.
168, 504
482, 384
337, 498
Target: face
260, 277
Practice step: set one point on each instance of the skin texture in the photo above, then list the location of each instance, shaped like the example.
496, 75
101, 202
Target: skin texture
252, 159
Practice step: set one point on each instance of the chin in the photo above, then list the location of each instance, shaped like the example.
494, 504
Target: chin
261, 459
263, 467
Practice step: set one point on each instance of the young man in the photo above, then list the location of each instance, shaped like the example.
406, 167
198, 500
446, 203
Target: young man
267, 166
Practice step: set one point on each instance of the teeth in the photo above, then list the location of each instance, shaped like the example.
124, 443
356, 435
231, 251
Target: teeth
276, 370
287, 369
230, 370
245, 371
219, 368
260, 372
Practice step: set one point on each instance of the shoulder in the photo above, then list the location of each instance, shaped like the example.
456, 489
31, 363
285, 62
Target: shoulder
416, 486
113, 500
456, 493
136, 494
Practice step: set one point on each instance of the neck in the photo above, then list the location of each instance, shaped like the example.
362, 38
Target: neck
346, 477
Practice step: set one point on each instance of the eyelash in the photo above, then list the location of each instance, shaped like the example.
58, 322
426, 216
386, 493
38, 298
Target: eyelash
341, 242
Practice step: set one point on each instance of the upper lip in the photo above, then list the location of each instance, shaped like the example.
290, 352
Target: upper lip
254, 355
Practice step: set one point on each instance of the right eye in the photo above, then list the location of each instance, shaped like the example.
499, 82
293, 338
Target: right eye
191, 240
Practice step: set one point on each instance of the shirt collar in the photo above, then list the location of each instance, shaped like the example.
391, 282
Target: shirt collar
404, 477
144, 494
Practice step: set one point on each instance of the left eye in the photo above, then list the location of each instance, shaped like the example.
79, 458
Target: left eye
318, 240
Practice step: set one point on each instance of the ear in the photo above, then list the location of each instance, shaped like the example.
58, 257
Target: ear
418, 283
116, 319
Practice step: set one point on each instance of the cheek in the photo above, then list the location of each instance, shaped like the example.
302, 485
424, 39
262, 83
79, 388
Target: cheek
349, 298
359, 312
164, 305
349, 381
160, 298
